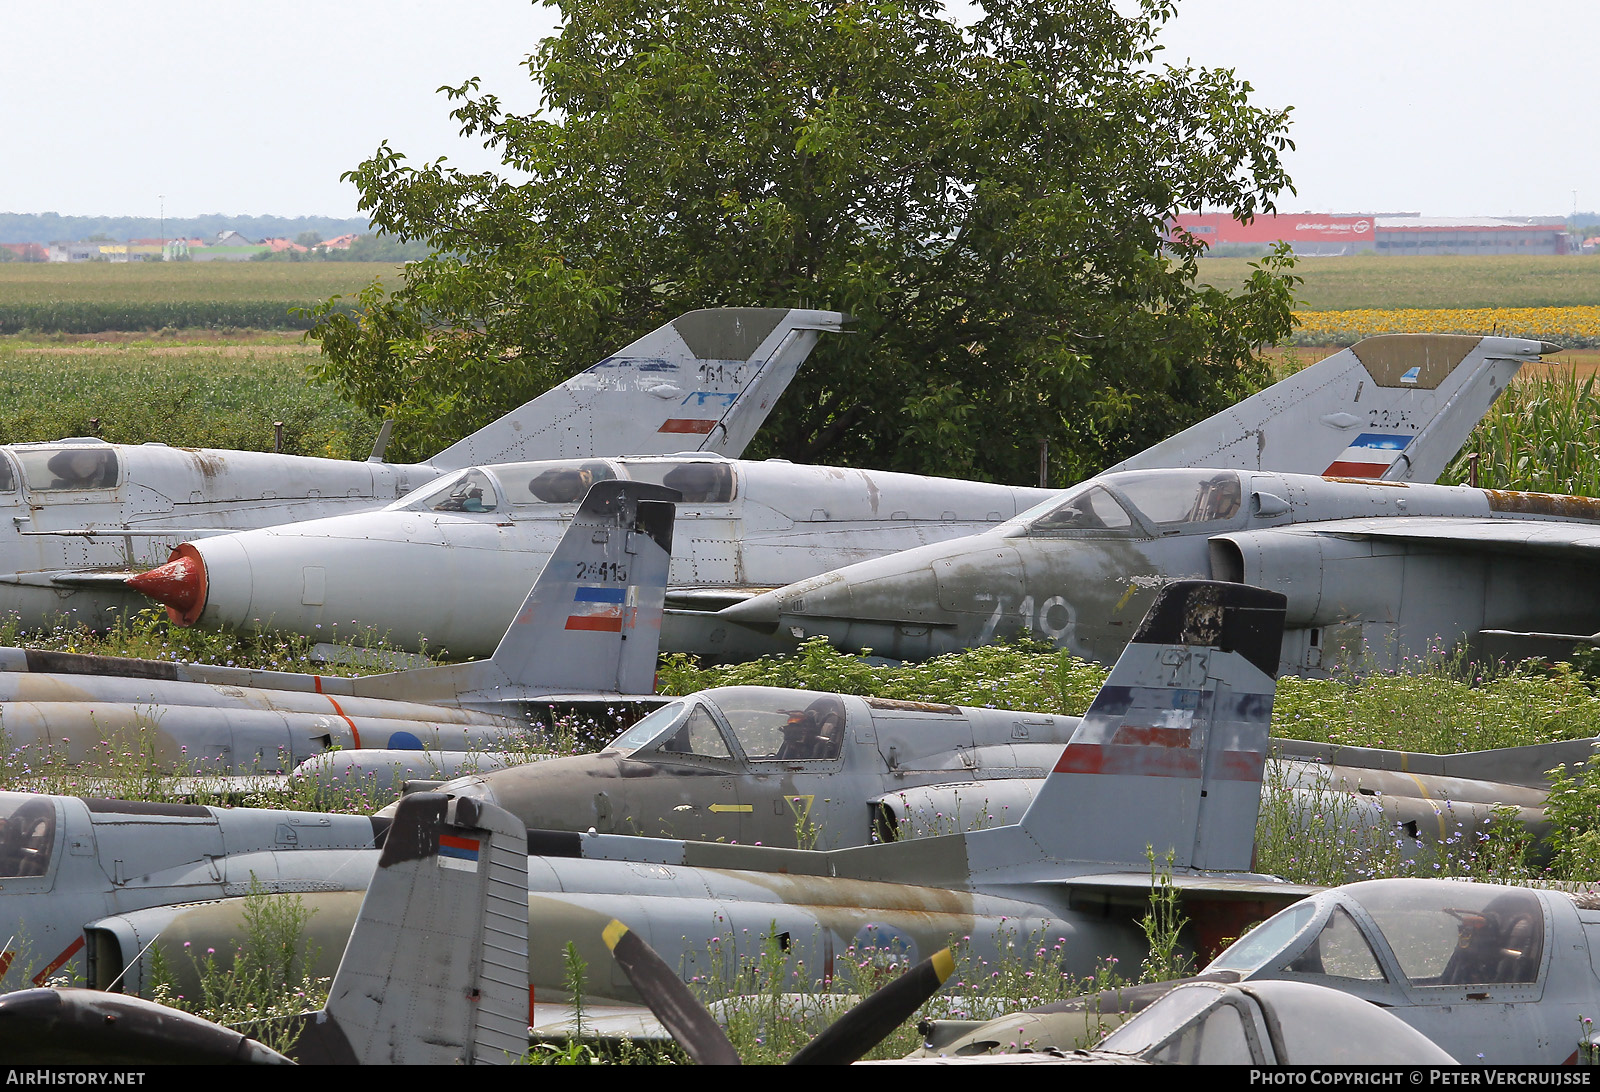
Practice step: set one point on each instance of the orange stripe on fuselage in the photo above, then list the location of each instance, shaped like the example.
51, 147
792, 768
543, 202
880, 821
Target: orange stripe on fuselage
55, 965
355, 733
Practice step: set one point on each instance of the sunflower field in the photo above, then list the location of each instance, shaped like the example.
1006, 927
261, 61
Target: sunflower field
1572, 327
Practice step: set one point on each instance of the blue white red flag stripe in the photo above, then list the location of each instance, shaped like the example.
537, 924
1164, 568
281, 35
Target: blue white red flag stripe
1370, 455
458, 852
598, 609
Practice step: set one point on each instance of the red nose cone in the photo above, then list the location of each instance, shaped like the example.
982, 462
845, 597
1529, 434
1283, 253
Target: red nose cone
179, 585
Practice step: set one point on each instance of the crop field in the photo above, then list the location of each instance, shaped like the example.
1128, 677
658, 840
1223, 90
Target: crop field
202, 392
1571, 327
1383, 283
91, 297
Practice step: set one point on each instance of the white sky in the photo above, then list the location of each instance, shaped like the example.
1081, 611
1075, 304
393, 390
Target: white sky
1445, 107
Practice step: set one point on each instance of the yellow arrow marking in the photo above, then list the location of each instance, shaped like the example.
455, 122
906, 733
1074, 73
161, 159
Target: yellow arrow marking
733, 807
1127, 595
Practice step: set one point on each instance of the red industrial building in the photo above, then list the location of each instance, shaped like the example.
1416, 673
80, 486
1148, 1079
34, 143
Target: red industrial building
1407, 234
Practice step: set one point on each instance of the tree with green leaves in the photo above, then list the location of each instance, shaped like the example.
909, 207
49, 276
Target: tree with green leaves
989, 201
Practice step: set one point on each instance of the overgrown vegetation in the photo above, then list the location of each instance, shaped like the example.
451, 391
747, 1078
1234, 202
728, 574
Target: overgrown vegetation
258, 988
1432, 706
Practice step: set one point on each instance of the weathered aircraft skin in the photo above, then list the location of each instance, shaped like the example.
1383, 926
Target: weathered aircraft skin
434, 971
75, 512
1375, 572
1256, 1023
569, 641
442, 563
1493, 974
1181, 724
775, 767
425, 564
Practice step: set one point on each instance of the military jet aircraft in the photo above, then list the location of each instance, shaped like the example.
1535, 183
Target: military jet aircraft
1181, 725
1375, 571
433, 972
1495, 974
75, 511
769, 766
444, 560
586, 633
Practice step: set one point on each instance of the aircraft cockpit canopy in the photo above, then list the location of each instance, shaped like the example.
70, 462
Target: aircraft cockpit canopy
701, 481
1428, 934
464, 491
27, 835
1165, 499
1269, 1023
775, 725
754, 723
565, 482
74, 467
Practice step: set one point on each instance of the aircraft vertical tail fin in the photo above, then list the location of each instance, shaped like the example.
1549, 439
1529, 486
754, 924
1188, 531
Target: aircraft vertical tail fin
1170, 753
591, 623
436, 971
703, 382
1396, 407
592, 620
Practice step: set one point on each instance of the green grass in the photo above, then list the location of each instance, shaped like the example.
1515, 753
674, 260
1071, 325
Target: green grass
208, 394
1370, 281
90, 297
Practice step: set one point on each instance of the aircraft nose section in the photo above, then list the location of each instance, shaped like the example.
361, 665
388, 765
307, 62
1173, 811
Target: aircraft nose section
179, 585
760, 612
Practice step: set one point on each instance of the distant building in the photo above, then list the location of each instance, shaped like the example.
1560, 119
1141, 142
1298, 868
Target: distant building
1420, 235
1311, 234
229, 246
1307, 232
29, 252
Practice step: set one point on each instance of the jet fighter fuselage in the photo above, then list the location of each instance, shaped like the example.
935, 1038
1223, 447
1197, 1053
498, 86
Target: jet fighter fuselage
776, 767
437, 565
1374, 571
77, 516
447, 564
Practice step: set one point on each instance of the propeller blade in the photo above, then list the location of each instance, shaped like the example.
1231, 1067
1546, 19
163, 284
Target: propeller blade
878, 1014
677, 1008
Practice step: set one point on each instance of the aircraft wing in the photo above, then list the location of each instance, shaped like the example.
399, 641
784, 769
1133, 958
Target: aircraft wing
1220, 908
1198, 885
1551, 538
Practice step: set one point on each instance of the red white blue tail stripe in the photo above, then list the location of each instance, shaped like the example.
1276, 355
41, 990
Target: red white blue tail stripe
598, 609
458, 851
1370, 456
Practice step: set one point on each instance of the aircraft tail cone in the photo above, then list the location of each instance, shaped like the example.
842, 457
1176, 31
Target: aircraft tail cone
179, 585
